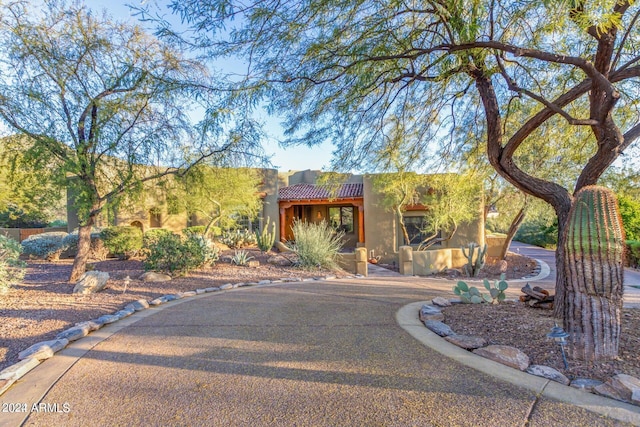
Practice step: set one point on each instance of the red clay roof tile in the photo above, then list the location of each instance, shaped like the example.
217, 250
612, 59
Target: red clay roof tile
316, 192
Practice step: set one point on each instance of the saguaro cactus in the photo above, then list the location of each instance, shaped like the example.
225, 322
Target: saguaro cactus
593, 251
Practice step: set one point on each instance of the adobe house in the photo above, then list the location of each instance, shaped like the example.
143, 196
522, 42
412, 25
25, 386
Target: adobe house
355, 208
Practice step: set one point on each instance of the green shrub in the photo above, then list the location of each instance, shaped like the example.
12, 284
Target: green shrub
193, 230
151, 236
11, 268
237, 239
317, 245
538, 235
633, 253
630, 214
47, 246
97, 251
14, 216
177, 255
199, 229
122, 241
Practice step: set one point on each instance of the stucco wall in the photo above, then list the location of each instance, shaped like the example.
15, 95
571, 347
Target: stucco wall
383, 234
425, 263
380, 228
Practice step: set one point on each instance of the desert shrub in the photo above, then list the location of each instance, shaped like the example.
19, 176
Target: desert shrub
317, 245
538, 234
122, 241
152, 236
97, 251
47, 246
194, 230
11, 268
633, 253
237, 239
177, 255
14, 216
630, 214
199, 230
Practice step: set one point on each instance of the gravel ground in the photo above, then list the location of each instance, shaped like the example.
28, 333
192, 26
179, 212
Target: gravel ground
520, 326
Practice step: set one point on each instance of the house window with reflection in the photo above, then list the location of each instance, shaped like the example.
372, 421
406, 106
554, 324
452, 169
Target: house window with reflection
341, 218
418, 229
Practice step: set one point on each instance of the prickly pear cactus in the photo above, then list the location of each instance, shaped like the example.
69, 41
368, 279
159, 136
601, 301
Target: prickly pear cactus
593, 252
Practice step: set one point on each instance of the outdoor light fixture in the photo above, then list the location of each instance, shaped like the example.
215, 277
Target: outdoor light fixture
559, 335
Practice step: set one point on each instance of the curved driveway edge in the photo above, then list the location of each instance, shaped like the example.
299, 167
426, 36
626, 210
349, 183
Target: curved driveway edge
407, 318
34, 386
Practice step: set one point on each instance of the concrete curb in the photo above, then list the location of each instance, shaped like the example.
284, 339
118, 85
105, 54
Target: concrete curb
407, 318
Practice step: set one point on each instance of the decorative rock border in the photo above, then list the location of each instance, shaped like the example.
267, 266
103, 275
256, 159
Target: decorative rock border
622, 387
41, 351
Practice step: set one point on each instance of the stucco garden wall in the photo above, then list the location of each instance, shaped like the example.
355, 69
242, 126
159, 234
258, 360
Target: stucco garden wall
425, 263
380, 228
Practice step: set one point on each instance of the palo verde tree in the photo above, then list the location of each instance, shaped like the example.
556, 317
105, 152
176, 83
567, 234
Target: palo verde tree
106, 100
216, 194
30, 195
338, 70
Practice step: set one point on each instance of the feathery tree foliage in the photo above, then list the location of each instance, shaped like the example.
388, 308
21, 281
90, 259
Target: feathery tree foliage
104, 98
340, 70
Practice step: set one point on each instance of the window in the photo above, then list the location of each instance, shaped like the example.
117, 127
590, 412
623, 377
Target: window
418, 229
245, 222
155, 218
341, 218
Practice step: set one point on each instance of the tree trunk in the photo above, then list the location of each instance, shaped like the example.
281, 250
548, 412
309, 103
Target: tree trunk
513, 229
84, 248
403, 227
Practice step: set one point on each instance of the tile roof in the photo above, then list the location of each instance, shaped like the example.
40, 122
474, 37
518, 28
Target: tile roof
316, 192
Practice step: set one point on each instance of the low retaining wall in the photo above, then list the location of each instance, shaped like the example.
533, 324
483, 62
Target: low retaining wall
425, 263
495, 242
355, 262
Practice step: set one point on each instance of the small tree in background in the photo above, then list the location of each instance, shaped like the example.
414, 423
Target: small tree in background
11, 268
218, 195
103, 98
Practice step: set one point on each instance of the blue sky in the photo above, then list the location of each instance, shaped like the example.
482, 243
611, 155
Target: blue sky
292, 158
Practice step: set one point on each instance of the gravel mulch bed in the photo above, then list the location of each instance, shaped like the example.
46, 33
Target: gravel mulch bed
523, 327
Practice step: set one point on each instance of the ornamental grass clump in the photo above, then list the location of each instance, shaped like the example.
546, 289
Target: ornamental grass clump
317, 245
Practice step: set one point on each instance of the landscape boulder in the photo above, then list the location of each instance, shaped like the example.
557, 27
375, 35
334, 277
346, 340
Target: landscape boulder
43, 350
429, 312
620, 387
549, 373
467, 342
91, 282
152, 276
506, 355
441, 302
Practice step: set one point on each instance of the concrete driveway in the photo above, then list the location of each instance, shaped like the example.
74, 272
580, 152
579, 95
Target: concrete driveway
300, 354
